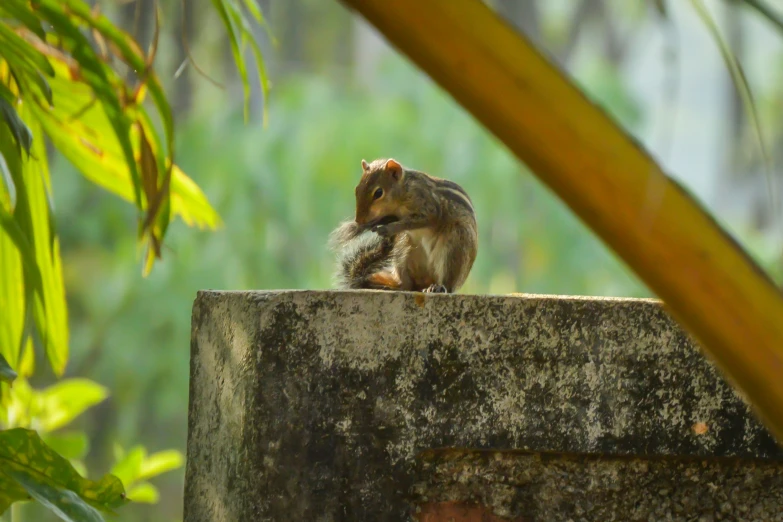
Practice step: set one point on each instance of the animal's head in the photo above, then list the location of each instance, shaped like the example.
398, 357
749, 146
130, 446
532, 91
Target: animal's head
378, 192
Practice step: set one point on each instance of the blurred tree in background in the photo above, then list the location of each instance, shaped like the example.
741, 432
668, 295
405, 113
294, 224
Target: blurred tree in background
340, 95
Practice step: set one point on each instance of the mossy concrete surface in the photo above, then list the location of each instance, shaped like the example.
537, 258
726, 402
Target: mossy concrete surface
322, 406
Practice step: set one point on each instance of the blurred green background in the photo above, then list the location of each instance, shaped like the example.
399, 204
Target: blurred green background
340, 95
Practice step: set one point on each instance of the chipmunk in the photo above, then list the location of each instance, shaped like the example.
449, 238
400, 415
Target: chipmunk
411, 232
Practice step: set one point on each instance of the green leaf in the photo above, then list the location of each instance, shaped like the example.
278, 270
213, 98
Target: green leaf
79, 466
12, 299
72, 445
50, 312
20, 131
144, 493
9, 199
97, 75
159, 463
240, 32
743, 89
24, 15
64, 503
27, 64
26, 292
158, 214
30, 467
7, 374
18, 281
67, 399
90, 145
128, 468
247, 35
15, 45
189, 202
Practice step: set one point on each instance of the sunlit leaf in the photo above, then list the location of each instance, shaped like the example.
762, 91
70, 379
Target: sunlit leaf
90, 145
27, 359
15, 45
27, 64
18, 227
189, 202
12, 300
156, 221
67, 399
79, 466
8, 201
50, 312
18, 258
144, 493
97, 75
22, 405
30, 468
159, 463
72, 445
127, 469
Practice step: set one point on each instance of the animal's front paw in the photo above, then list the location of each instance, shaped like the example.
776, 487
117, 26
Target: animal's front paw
381, 230
436, 289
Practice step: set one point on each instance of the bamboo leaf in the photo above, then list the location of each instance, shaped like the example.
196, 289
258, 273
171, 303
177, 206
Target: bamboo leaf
234, 38
706, 280
135, 58
50, 310
12, 44
743, 88
13, 331
21, 133
8, 201
29, 468
18, 11
90, 145
97, 76
247, 35
189, 202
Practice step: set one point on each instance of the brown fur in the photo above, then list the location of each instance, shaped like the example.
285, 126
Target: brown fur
429, 221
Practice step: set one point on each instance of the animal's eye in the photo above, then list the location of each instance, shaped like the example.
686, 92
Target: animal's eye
378, 193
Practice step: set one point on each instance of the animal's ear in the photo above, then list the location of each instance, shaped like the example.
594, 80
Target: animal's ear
394, 169
365, 166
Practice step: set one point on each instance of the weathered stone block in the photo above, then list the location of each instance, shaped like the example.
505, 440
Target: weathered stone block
317, 406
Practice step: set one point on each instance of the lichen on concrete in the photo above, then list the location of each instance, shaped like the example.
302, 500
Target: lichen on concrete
314, 405
525, 486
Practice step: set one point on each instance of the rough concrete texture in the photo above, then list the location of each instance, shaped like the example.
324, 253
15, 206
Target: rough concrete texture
313, 406
522, 486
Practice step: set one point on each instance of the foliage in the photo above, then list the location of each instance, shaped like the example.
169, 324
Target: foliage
135, 467
69, 74
31, 469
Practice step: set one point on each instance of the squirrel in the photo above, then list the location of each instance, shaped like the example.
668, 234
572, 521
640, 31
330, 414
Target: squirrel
411, 232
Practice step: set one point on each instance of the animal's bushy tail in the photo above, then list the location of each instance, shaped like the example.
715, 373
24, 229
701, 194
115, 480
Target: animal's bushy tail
364, 259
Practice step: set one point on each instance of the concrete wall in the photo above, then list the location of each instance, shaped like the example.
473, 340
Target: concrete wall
379, 406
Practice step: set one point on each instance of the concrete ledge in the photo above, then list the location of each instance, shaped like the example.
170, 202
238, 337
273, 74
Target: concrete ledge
314, 405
